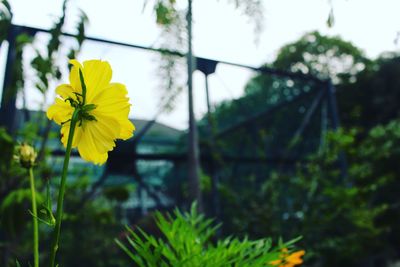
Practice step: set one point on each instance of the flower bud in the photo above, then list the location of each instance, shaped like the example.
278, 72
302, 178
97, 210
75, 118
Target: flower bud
26, 155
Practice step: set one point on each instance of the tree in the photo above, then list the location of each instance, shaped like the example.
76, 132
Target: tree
375, 95
348, 221
322, 56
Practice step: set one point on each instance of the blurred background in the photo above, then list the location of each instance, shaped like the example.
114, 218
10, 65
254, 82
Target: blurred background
294, 130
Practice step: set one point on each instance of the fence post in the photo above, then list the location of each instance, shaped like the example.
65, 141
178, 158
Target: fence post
336, 124
193, 145
9, 94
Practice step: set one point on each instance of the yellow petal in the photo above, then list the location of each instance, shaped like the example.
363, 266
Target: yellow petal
117, 110
112, 102
125, 126
113, 96
66, 91
104, 131
65, 134
60, 111
87, 149
74, 75
97, 76
116, 90
127, 129
94, 138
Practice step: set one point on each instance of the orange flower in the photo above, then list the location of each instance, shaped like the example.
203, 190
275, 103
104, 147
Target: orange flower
288, 260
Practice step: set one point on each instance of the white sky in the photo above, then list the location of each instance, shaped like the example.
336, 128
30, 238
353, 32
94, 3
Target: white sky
220, 32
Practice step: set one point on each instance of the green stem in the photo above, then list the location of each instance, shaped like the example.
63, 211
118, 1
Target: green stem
35, 220
56, 232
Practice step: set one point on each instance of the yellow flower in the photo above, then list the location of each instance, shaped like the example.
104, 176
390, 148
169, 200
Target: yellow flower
288, 260
103, 110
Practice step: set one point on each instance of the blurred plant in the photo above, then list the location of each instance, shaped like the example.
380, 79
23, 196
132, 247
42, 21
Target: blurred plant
345, 221
173, 39
100, 218
331, 17
322, 56
374, 97
5, 19
46, 65
167, 13
13, 195
187, 241
26, 156
47, 68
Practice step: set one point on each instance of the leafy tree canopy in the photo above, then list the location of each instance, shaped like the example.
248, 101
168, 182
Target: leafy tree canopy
322, 56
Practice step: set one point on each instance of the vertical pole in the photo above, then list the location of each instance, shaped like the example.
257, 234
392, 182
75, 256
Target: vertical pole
324, 124
8, 98
207, 96
214, 176
335, 124
138, 180
333, 105
193, 150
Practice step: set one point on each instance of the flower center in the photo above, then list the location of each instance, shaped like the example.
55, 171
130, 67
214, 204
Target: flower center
79, 103
84, 113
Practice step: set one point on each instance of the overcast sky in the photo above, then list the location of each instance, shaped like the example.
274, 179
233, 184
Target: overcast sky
220, 32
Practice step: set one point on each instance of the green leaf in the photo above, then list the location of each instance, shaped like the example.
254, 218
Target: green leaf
83, 86
89, 107
331, 19
186, 243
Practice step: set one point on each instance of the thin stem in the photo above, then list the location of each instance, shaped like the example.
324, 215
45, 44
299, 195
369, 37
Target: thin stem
56, 232
34, 220
83, 87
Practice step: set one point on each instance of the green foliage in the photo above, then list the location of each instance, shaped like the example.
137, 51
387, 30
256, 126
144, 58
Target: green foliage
80, 37
374, 97
117, 193
14, 194
166, 12
87, 228
173, 23
45, 65
14, 213
345, 221
5, 19
21, 40
331, 19
252, 9
237, 122
322, 56
7, 147
17, 77
187, 241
